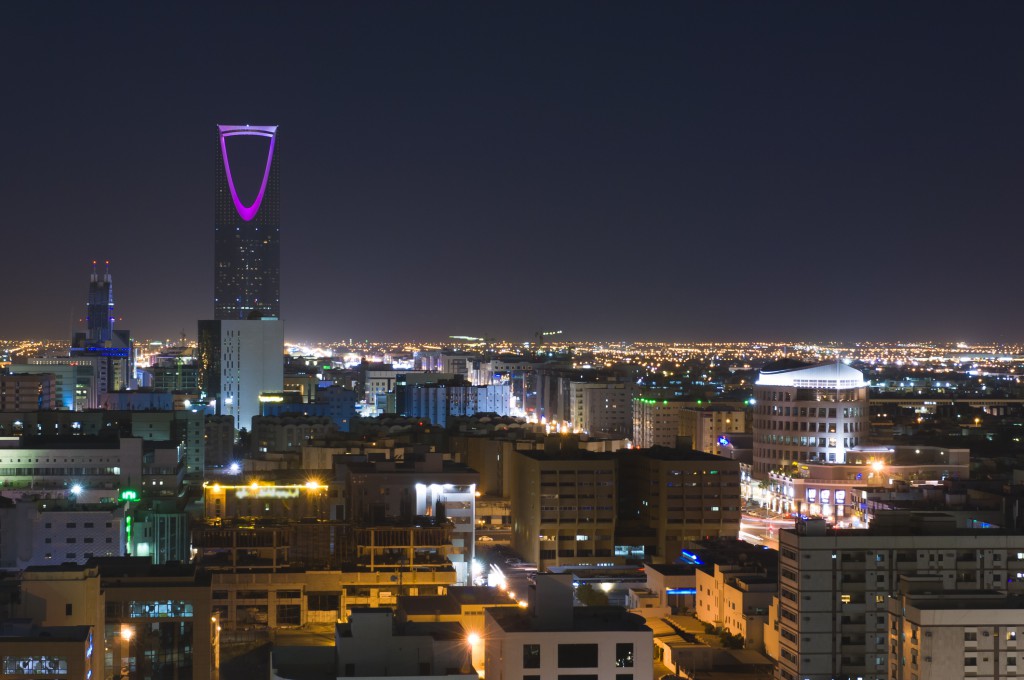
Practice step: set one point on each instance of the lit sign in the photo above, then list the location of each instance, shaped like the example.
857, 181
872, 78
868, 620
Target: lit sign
840, 497
723, 441
681, 591
128, 495
826, 496
267, 492
812, 495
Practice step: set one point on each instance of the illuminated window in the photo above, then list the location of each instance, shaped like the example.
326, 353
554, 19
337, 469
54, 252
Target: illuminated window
35, 665
159, 609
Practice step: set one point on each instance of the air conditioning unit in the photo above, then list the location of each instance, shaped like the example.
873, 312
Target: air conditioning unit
927, 633
986, 633
928, 659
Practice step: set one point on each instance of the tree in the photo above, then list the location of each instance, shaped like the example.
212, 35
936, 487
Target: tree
591, 596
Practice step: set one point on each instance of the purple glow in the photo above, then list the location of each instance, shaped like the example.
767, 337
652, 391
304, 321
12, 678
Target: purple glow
247, 212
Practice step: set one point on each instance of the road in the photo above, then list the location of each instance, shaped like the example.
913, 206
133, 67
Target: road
763, 530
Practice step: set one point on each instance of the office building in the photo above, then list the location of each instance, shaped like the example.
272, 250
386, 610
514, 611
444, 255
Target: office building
563, 507
239, 361
807, 414
112, 349
375, 493
21, 393
436, 402
158, 618
668, 498
75, 381
52, 468
247, 249
28, 650
834, 585
42, 533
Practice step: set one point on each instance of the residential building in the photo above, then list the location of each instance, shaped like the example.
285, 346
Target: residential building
834, 585
736, 597
948, 635
705, 426
656, 422
375, 644
604, 408
21, 393
553, 639
563, 507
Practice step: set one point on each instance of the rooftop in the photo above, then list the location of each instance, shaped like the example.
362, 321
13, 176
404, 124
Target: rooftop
826, 375
583, 619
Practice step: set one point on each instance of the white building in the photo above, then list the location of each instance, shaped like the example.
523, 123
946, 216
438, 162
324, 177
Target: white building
251, 362
96, 472
834, 585
45, 533
553, 639
808, 413
601, 408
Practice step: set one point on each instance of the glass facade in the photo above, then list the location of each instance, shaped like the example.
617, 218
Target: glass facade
247, 253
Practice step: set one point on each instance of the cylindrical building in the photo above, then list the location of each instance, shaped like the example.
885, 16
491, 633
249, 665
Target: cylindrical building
807, 413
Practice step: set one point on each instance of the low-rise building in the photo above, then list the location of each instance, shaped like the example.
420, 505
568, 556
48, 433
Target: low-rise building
551, 638
374, 644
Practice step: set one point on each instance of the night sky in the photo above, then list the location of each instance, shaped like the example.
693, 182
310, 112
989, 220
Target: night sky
676, 171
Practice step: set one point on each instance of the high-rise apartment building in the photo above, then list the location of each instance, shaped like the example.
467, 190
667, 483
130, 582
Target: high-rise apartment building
656, 422
807, 413
247, 250
834, 586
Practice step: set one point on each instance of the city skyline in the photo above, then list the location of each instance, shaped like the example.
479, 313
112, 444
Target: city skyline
673, 172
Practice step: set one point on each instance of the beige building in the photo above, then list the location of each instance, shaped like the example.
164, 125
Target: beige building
601, 408
656, 422
464, 605
737, 599
943, 635
30, 651
834, 585
563, 507
28, 392
674, 497
703, 426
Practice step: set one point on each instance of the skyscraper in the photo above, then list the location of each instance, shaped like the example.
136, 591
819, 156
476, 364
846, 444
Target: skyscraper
99, 320
247, 251
110, 350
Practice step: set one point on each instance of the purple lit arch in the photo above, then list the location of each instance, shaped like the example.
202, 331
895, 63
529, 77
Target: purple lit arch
247, 212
